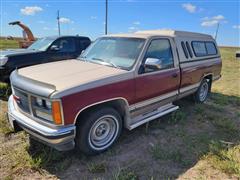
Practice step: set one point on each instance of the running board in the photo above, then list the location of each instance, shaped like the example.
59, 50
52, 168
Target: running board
161, 111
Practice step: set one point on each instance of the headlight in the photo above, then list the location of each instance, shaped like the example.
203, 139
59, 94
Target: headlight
3, 60
39, 102
47, 110
48, 104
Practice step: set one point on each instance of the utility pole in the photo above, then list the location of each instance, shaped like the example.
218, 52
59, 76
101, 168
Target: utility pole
106, 18
58, 20
216, 32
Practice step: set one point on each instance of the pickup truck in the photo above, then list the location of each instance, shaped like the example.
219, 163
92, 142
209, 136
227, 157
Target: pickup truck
44, 50
120, 81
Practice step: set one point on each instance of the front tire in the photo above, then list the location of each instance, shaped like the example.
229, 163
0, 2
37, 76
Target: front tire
202, 93
98, 130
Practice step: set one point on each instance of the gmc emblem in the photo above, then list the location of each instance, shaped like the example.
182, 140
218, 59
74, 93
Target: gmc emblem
17, 99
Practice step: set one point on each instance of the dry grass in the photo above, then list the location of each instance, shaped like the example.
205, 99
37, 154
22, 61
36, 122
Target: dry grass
229, 84
8, 44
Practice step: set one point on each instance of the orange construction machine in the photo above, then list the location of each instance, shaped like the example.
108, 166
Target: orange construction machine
28, 37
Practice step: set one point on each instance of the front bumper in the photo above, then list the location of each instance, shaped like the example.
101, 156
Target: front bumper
60, 138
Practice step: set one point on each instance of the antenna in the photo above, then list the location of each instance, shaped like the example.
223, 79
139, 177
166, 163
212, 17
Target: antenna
106, 17
217, 31
58, 20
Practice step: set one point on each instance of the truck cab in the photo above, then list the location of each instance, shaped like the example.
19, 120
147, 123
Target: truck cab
120, 81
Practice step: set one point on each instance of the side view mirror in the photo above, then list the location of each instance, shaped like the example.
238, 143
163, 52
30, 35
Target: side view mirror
54, 48
152, 64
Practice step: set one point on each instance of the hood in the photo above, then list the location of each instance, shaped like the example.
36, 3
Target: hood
10, 52
69, 73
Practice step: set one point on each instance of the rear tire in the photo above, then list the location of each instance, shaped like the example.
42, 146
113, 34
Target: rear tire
98, 130
202, 93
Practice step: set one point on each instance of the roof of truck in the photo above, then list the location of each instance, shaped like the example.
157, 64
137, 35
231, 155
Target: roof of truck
162, 32
66, 36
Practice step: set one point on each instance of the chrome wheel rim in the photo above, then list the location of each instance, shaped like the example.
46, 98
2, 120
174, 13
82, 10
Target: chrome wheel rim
103, 132
203, 91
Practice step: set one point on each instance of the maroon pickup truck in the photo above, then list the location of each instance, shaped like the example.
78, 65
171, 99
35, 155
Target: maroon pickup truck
120, 81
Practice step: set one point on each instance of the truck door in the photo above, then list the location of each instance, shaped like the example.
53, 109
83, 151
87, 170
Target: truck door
161, 82
61, 49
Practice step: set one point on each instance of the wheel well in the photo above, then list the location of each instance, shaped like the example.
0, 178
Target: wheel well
209, 79
119, 105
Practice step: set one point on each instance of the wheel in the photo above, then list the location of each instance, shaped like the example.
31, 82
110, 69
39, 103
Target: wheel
98, 130
202, 93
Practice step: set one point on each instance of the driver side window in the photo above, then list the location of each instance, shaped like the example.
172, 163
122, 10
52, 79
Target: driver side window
159, 52
65, 45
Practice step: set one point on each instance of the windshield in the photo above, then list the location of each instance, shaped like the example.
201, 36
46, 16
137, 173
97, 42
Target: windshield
41, 44
114, 51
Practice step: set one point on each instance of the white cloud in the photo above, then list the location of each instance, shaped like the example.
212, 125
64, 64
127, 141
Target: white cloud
46, 28
31, 10
93, 17
236, 26
132, 28
41, 22
65, 20
218, 17
189, 7
209, 23
212, 21
136, 23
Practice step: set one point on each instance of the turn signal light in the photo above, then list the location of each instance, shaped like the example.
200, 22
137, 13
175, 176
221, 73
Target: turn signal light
56, 112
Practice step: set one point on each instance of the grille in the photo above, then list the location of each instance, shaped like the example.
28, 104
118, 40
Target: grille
23, 103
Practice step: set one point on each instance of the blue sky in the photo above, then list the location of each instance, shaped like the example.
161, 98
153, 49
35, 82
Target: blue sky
87, 17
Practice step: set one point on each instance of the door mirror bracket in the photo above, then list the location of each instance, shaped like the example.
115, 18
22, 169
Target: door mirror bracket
152, 64
54, 48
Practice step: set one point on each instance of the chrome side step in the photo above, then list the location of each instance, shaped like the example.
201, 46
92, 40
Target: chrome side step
161, 111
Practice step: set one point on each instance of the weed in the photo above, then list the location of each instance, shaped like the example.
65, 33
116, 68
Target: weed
238, 114
46, 157
220, 99
162, 154
224, 158
125, 174
5, 90
177, 116
5, 127
224, 124
199, 109
97, 168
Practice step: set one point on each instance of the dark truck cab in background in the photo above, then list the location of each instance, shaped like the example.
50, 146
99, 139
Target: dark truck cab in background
44, 50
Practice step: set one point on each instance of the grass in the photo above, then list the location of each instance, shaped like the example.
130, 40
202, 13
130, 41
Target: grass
4, 125
224, 158
160, 153
125, 174
207, 134
177, 116
8, 44
97, 167
5, 90
229, 84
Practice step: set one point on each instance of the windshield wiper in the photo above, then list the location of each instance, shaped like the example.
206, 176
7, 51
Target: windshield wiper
110, 63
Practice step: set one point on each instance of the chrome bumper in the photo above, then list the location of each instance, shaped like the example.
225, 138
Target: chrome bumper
60, 138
